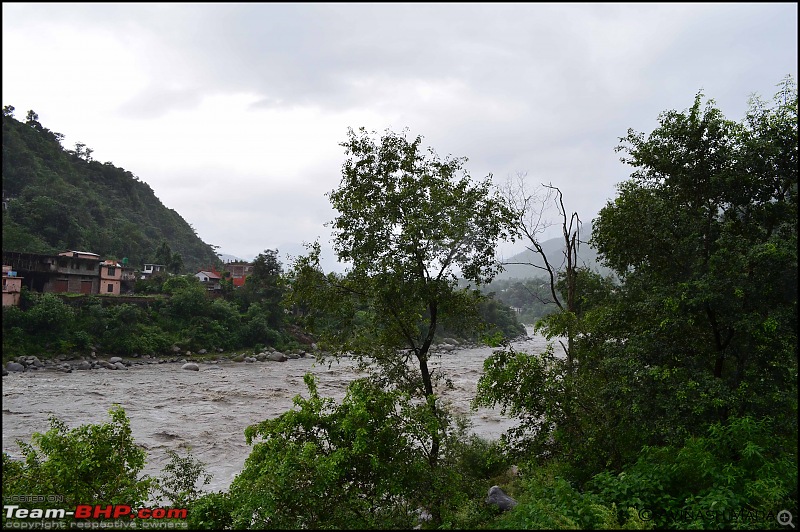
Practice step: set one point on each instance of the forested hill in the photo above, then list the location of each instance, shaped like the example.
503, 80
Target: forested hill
57, 199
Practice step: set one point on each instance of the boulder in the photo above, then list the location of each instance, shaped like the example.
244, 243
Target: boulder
277, 356
498, 498
120, 365
114, 360
15, 366
83, 365
191, 366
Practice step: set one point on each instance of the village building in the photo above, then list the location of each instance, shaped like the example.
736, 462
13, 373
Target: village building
150, 269
240, 271
110, 277
210, 279
12, 287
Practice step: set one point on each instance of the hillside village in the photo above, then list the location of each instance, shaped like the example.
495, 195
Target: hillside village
81, 272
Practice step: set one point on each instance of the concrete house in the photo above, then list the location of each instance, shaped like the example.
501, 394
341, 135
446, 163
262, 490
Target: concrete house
77, 272
239, 272
110, 277
210, 279
12, 287
150, 269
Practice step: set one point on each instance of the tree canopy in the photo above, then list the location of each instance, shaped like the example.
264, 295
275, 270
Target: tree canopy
701, 330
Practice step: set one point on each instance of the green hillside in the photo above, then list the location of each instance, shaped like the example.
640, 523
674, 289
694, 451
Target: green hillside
57, 199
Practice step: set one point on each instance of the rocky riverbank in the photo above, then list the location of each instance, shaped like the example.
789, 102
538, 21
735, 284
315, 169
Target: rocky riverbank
75, 362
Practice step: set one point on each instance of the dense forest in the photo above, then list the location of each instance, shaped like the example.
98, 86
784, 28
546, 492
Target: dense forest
675, 407
58, 199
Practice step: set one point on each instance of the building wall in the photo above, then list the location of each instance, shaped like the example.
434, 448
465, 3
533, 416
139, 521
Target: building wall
110, 279
78, 284
77, 266
110, 287
12, 288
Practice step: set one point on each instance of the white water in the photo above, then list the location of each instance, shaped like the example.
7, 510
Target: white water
207, 411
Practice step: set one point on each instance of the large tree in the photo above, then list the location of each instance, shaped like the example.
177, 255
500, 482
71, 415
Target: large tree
703, 327
704, 235
410, 223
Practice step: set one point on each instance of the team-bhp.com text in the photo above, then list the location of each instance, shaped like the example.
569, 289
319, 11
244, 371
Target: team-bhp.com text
53, 518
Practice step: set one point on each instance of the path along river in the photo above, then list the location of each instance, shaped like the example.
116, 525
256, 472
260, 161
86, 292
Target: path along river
207, 410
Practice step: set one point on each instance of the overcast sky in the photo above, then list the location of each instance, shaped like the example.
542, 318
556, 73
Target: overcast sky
233, 113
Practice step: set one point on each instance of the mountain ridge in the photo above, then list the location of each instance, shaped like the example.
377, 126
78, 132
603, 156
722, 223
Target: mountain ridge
56, 199
521, 265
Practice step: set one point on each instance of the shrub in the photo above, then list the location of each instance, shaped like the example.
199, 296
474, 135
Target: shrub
91, 464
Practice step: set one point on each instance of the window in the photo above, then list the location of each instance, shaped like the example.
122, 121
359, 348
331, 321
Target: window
110, 288
112, 271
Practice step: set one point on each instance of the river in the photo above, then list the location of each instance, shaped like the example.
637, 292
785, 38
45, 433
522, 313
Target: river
207, 410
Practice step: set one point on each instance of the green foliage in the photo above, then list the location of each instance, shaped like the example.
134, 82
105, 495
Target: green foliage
408, 222
212, 511
359, 464
178, 483
97, 464
549, 502
48, 315
165, 256
529, 388
531, 296
185, 315
349, 466
737, 475
498, 318
702, 327
704, 235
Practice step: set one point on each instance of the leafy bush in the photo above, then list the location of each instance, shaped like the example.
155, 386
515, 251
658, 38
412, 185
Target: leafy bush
549, 502
48, 317
180, 477
737, 476
212, 511
91, 464
322, 466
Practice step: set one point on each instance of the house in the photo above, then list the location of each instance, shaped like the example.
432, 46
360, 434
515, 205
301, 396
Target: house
110, 277
150, 269
239, 272
210, 279
12, 287
72, 271
77, 272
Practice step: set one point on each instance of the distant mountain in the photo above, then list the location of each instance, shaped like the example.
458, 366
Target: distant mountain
57, 200
225, 258
554, 250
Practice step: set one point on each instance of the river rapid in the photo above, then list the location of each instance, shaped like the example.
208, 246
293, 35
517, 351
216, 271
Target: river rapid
207, 411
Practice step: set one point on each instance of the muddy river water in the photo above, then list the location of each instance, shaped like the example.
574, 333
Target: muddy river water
207, 410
